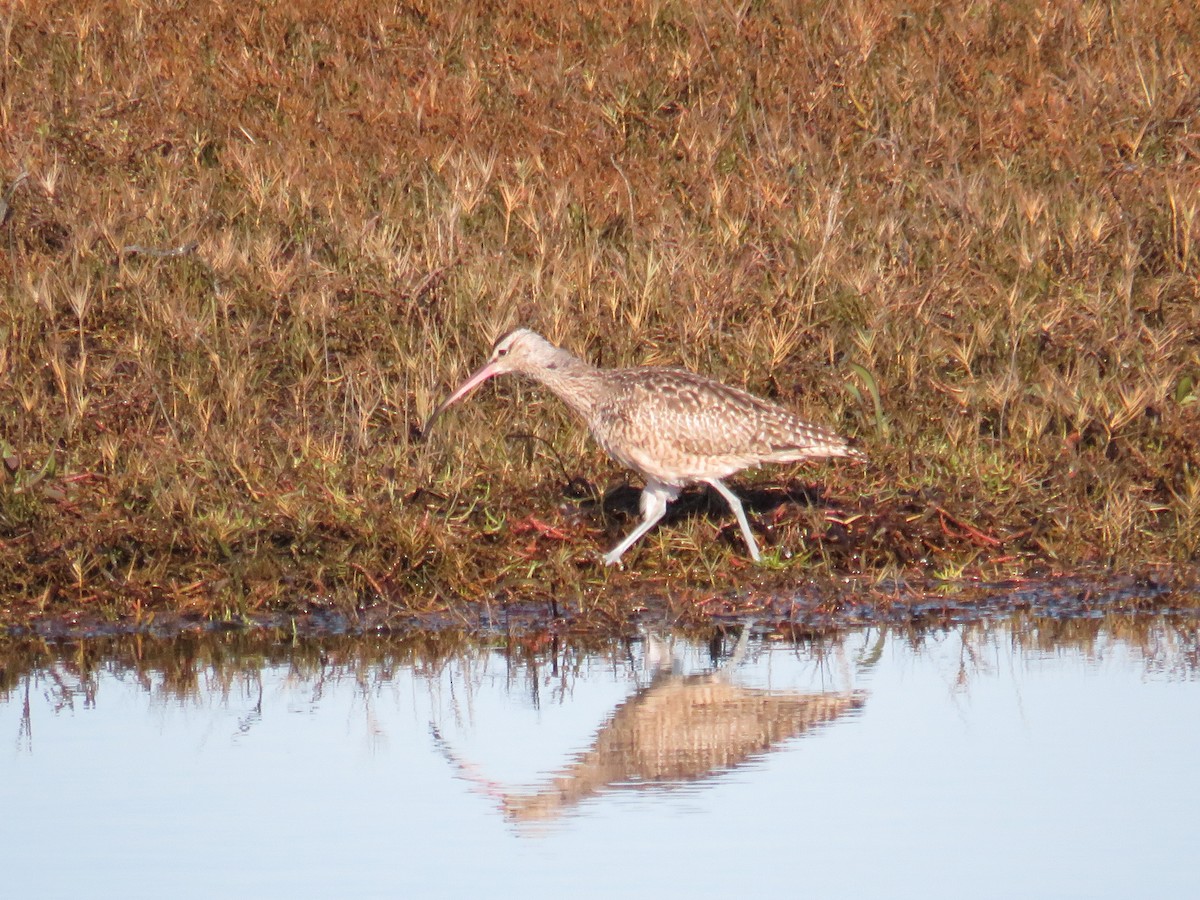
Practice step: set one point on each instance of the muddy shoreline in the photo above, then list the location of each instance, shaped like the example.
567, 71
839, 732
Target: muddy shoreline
811, 609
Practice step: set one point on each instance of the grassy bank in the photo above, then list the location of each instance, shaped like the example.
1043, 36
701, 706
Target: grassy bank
257, 245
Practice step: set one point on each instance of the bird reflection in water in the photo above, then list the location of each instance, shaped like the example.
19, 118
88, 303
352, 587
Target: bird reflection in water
676, 730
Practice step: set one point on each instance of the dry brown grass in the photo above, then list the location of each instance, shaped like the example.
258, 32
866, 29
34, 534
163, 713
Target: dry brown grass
987, 218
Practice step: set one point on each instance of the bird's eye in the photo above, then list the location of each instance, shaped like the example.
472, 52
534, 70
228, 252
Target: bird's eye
501, 351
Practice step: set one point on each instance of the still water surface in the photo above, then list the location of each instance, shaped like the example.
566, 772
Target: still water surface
1027, 757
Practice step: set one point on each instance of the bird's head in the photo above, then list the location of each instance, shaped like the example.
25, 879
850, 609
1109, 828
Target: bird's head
522, 351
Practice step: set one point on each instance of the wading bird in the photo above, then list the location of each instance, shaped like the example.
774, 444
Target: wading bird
671, 426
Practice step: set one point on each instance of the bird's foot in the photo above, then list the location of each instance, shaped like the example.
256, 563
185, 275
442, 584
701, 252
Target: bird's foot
612, 558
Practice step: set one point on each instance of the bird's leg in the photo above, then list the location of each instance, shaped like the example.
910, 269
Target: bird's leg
739, 652
655, 498
736, 505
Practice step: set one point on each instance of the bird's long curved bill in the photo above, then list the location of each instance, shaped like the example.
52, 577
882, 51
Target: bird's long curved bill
463, 390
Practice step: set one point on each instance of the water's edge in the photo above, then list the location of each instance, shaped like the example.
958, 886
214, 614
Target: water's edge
812, 608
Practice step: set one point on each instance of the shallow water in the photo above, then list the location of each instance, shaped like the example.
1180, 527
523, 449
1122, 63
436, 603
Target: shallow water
1033, 757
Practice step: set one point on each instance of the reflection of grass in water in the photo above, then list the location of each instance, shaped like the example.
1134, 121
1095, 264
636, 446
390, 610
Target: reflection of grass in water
187, 665
181, 666
969, 241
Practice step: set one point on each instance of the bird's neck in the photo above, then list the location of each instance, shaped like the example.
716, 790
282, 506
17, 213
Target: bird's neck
574, 382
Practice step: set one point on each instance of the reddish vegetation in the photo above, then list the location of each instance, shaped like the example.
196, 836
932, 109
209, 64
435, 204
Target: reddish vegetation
968, 238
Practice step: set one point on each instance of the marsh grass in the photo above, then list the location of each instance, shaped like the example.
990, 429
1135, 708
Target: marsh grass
966, 237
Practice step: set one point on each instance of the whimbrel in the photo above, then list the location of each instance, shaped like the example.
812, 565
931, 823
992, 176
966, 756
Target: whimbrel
671, 426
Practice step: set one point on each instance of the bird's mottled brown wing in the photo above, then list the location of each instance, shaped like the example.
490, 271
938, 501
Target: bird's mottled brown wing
698, 427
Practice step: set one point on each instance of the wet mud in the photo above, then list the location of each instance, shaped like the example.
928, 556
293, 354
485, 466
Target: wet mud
811, 609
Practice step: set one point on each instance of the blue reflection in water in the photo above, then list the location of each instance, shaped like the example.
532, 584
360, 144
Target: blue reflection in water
1046, 758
